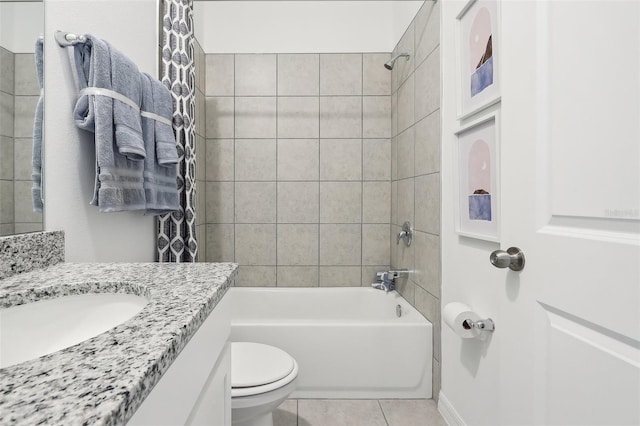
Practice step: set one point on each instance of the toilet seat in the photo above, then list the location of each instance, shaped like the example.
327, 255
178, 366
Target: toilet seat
257, 368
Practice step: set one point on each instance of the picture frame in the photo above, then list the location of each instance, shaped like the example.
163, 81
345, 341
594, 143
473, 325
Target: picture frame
478, 56
477, 172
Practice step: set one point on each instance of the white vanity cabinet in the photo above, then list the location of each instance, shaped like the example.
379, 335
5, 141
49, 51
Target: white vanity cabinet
196, 389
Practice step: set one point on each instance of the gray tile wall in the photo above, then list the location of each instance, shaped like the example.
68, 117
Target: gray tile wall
19, 93
297, 166
26, 92
7, 69
201, 156
415, 167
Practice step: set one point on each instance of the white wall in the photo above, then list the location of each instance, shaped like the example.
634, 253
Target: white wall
20, 24
470, 367
90, 236
301, 26
402, 13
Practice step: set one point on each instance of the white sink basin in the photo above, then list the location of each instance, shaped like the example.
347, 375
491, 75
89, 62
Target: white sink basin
39, 328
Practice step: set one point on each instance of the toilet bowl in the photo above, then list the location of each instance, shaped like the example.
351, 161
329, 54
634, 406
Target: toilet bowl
262, 377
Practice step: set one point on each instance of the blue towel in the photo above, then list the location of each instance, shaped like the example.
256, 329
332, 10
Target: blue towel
127, 80
36, 159
161, 163
118, 133
166, 148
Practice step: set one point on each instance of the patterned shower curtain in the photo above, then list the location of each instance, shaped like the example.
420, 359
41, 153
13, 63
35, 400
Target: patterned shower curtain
177, 231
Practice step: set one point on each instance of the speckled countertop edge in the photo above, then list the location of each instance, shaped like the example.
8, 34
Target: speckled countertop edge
25, 252
103, 380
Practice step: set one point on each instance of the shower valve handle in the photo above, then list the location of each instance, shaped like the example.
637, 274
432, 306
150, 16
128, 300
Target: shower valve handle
406, 234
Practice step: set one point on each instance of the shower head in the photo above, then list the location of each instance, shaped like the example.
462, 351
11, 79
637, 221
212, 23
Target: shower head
392, 61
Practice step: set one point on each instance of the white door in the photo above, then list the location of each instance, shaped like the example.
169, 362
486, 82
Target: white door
570, 162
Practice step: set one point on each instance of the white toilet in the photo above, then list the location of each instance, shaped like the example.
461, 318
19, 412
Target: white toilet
262, 377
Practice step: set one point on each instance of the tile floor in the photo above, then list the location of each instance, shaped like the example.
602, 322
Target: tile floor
362, 412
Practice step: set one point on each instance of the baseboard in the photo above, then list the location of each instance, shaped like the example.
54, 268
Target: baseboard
449, 414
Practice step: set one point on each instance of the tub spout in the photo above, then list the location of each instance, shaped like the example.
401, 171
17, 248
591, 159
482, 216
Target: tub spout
398, 273
384, 281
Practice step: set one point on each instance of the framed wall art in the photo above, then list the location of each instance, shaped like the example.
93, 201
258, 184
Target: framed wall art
478, 201
478, 56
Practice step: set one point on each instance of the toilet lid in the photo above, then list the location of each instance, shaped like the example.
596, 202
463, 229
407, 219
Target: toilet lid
255, 364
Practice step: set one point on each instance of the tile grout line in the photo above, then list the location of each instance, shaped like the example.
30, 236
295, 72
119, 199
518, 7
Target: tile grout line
276, 176
361, 166
391, 136
234, 164
284, 96
319, 151
382, 410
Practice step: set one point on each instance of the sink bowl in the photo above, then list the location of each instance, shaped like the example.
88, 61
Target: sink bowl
39, 328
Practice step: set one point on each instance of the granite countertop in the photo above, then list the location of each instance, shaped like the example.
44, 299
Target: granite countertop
103, 380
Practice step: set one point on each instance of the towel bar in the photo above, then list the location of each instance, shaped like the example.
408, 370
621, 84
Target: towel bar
65, 39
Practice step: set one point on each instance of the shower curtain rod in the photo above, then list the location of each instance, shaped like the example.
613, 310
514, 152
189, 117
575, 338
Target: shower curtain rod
65, 39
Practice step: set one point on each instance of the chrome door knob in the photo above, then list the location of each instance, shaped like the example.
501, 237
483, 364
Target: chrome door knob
513, 259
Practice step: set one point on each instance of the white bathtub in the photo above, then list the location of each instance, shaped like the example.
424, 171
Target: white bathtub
349, 342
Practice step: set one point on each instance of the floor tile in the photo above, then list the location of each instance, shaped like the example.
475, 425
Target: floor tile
325, 412
411, 412
286, 414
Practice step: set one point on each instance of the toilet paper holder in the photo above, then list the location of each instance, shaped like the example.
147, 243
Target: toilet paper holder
482, 325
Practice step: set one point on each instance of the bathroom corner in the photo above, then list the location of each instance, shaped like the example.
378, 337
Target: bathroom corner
329, 220
415, 168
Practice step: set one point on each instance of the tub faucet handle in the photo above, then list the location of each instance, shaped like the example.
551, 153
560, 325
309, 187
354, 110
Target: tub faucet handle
384, 281
380, 286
